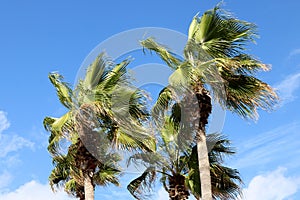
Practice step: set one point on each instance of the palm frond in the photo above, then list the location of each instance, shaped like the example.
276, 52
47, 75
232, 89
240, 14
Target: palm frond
225, 182
148, 159
97, 71
142, 184
128, 103
73, 188
114, 76
137, 106
165, 98
64, 92
59, 128
162, 52
107, 175
219, 34
241, 64
180, 79
246, 93
61, 172
132, 140
218, 147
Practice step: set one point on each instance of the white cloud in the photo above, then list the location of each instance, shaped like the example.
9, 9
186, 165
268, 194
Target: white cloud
279, 145
4, 123
272, 186
34, 191
288, 87
11, 161
293, 53
5, 180
8, 142
13, 143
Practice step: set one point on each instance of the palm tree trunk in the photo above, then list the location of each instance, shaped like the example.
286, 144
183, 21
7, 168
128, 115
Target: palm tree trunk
205, 107
88, 187
177, 189
204, 167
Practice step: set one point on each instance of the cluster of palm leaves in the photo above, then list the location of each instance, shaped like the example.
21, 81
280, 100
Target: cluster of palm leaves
105, 113
177, 168
93, 130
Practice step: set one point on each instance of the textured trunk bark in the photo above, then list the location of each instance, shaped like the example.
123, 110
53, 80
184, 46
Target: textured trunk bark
88, 187
205, 106
177, 189
82, 198
80, 193
204, 166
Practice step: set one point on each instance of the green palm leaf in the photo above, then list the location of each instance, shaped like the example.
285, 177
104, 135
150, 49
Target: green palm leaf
142, 183
64, 92
162, 51
220, 34
97, 71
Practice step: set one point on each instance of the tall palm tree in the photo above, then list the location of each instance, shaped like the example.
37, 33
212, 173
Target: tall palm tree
178, 168
215, 63
104, 113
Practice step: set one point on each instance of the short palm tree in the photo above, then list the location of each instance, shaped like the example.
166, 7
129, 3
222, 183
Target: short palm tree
105, 113
178, 168
214, 64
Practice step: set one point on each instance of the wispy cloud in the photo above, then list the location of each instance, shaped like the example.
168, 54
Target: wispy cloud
272, 185
8, 142
293, 53
4, 123
5, 180
287, 88
279, 145
34, 190
13, 143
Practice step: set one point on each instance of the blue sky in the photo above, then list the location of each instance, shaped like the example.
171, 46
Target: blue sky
40, 37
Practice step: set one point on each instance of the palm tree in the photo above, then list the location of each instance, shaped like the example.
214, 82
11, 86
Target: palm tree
67, 173
178, 168
97, 122
214, 63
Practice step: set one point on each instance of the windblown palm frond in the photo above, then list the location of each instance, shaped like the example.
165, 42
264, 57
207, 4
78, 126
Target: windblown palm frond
60, 127
97, 71
61, 171
162, 51
107, 175
246, 93
143, 183
64, 92
74, 189
219, 34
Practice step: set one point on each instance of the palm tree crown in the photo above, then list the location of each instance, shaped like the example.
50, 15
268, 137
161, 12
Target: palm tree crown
94, 126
